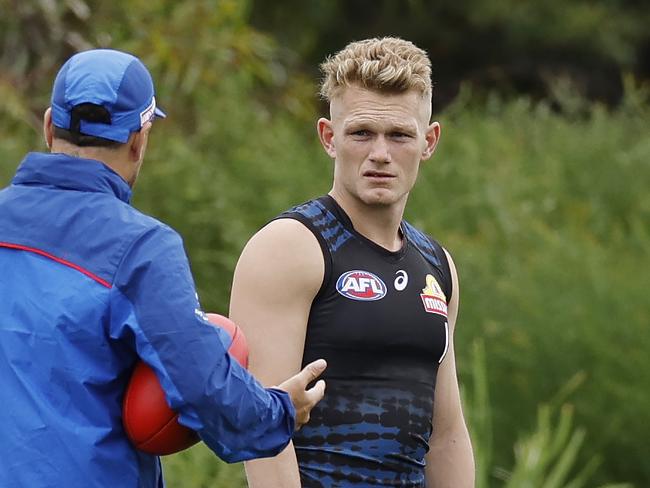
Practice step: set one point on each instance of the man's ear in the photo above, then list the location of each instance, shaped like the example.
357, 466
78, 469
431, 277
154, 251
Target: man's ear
48, 127
431, 137
326, 136
138, 143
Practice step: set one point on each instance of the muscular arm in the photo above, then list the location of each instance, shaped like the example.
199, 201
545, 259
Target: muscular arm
450, 461
278, 275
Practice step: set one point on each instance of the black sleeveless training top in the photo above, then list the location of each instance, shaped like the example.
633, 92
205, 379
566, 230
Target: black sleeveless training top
380, 321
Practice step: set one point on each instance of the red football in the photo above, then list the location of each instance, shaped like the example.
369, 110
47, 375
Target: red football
149, 422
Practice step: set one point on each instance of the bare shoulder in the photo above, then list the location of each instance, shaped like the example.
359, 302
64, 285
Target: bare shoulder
284, 252
284, 231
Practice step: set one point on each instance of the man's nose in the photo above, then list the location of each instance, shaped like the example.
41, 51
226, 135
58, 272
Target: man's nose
380, 151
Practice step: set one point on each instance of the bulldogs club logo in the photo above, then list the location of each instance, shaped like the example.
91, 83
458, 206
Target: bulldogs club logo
361, 285
433, 298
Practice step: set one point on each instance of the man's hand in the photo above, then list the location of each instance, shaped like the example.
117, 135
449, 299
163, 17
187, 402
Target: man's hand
304, 400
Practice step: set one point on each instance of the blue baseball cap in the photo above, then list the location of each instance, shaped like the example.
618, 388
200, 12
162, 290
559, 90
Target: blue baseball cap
117, 81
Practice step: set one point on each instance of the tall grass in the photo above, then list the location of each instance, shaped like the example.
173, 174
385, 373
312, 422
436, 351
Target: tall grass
548, 218
547, 214
546, 456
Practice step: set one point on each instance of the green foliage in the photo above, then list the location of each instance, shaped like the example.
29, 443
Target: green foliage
197, 467
548, 218
515, 25
544, 206
478, 415
544, 458
509, 46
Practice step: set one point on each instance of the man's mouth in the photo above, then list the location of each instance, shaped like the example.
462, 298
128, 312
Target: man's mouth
378, 174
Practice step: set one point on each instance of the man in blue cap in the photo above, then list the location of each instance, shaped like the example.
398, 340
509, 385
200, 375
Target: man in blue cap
89, 286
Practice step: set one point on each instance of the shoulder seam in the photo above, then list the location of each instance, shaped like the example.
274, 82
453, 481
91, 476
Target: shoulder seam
433, 252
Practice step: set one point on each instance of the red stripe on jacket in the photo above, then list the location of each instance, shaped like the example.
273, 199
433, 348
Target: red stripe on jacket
58, 260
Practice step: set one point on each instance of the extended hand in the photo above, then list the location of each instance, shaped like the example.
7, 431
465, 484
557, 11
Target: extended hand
304, 400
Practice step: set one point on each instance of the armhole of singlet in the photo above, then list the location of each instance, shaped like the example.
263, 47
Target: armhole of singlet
327, 257
445, 268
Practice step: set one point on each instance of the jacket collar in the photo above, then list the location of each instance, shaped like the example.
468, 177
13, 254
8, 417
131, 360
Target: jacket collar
71, 173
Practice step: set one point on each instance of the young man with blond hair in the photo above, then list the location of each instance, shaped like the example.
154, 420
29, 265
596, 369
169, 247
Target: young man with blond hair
347, 279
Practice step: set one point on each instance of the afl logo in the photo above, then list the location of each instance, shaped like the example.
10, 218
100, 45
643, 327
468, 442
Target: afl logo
361, 285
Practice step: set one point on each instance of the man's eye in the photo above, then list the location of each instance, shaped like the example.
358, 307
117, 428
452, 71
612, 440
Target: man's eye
400, 135
361, 133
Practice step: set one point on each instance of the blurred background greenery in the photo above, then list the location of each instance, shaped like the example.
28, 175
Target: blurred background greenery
539, 188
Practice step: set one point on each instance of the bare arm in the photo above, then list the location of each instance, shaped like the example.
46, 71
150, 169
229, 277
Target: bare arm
450, 461
276, 279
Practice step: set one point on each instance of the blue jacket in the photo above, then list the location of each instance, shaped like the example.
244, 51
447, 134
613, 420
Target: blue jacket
87, 286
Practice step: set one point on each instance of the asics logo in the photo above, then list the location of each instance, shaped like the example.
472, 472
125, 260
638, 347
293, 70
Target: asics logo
401, 281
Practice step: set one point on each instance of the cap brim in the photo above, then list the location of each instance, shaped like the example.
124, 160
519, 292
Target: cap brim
159, 113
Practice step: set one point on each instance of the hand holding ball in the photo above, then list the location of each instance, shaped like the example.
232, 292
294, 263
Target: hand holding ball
149, 422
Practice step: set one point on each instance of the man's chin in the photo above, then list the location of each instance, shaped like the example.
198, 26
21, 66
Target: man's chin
380, 198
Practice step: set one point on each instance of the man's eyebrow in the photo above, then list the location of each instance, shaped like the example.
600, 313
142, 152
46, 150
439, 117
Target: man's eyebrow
393, 126
356, 124
400, 126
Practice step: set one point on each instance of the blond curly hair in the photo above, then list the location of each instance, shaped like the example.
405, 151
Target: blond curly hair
388, 64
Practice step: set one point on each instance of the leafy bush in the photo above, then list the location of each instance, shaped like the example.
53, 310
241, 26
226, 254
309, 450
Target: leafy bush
548, 218
544, 206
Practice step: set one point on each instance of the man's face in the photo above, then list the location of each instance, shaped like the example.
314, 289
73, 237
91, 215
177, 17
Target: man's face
378, 141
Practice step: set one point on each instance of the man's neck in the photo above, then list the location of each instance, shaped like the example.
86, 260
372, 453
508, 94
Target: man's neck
379, 223
110, 158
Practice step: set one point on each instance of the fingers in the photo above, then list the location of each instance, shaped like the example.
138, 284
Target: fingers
312, 371
304, 399
316, 393
311, 398
308, 374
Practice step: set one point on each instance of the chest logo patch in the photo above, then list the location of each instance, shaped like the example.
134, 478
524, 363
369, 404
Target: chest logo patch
401, 281
433, 298
361, 285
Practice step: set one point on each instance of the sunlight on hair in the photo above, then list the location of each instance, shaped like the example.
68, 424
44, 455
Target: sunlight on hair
387, 64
